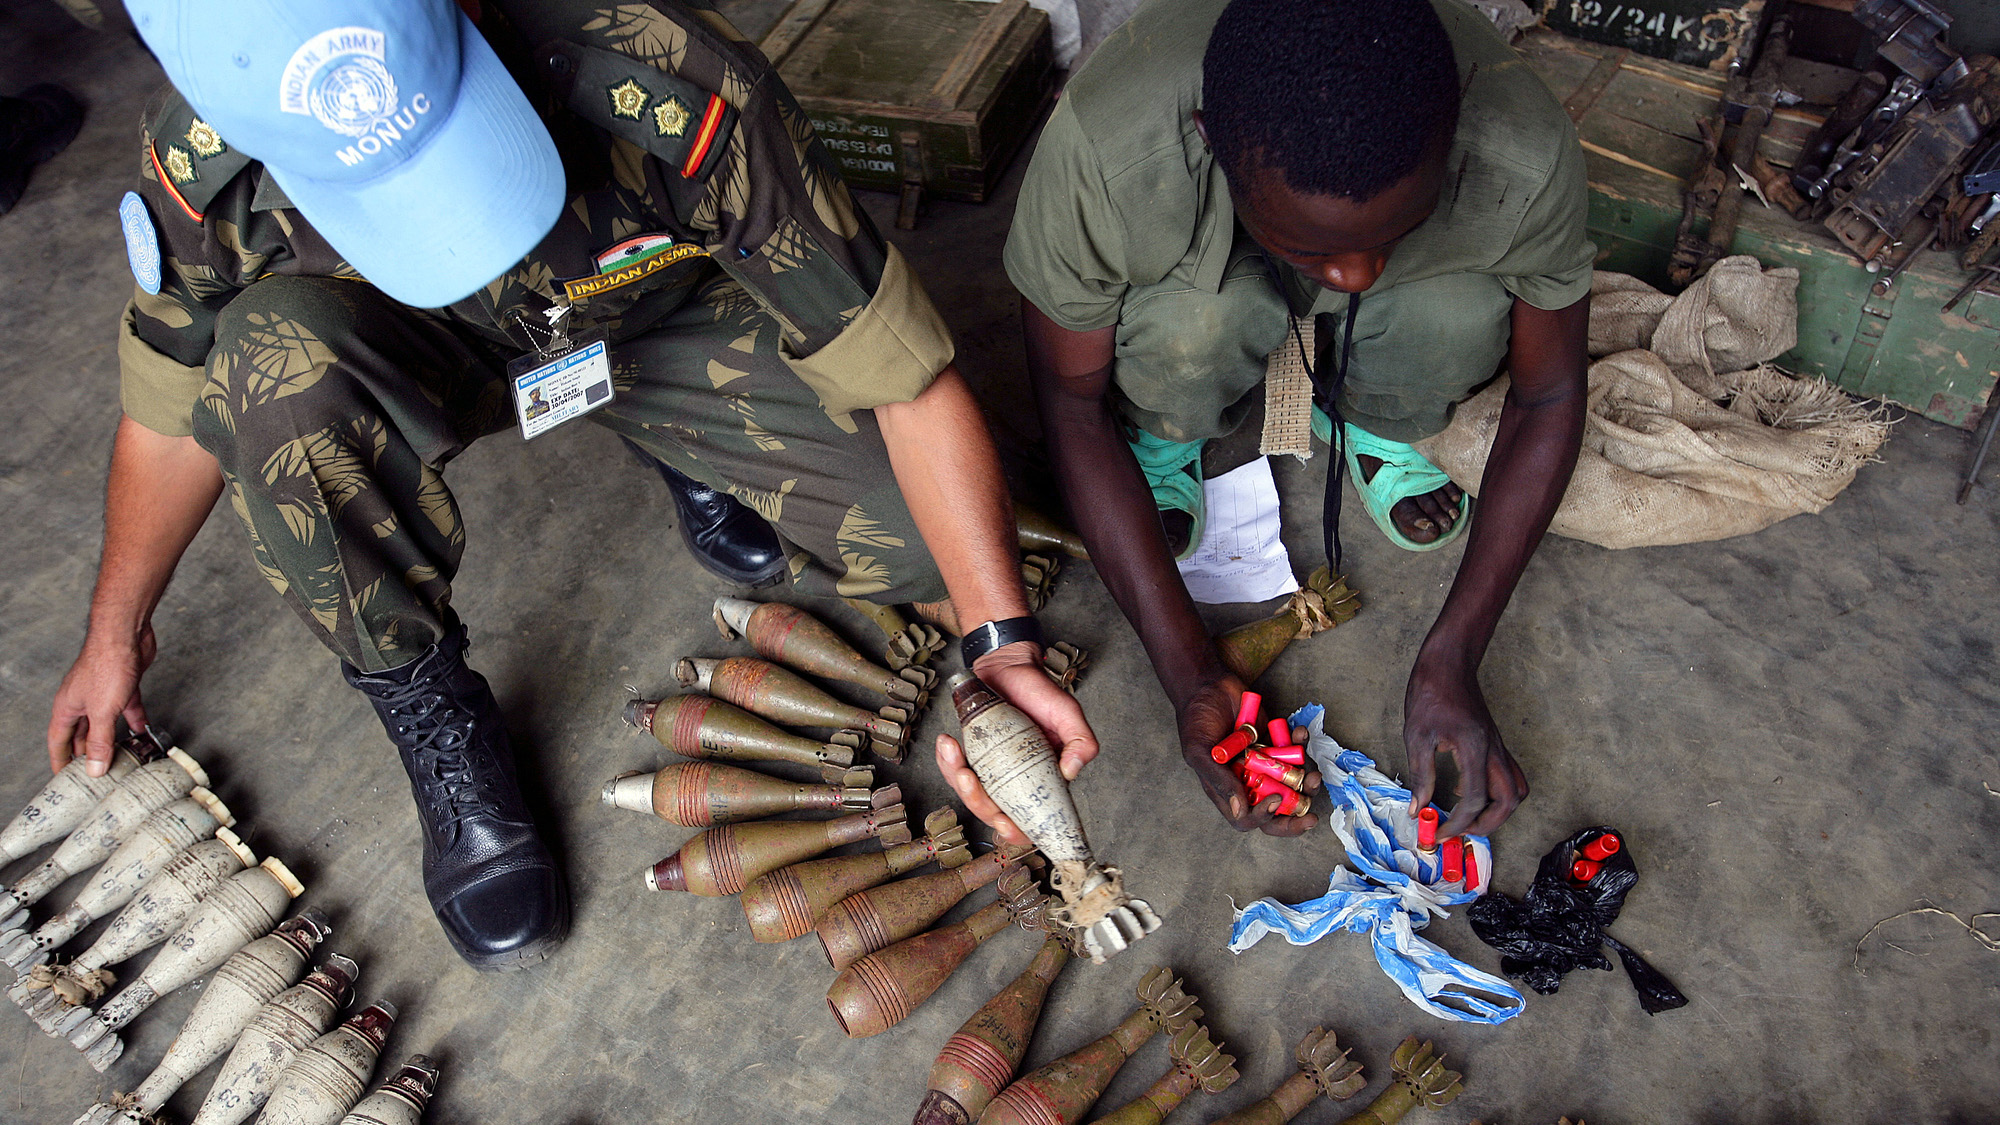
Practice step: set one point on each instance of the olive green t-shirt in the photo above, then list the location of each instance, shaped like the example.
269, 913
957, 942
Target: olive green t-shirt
1123, 191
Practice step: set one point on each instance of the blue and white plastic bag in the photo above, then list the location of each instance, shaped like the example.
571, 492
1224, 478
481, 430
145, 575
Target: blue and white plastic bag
1390, 898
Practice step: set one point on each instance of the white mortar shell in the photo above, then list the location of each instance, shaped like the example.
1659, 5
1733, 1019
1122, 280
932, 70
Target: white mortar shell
1018, 766
159, 838
251, 978
274, 1036
400, 1100
166, 901
145, 790
61, 805
228, 918
327, 1078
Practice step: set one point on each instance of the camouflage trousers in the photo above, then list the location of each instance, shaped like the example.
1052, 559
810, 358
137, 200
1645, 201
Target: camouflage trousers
333, 411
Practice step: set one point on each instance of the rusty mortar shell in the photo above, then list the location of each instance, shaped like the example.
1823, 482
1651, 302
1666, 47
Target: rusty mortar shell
1324, 1068
151, 787
762, 688
1064, 1090
324, 1080
1421, 1081
1040, 533
792, 637
1016, 762
1322, 603
723, 860
700, 794
252, 977
980, 1058
274, 1036
697, 726
788, 902
231, 916
61, 805
400, 1100
1198, 1063
876, 919
909, 644
880, 990
164, 834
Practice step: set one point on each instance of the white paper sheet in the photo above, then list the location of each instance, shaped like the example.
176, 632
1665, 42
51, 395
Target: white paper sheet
1241, 558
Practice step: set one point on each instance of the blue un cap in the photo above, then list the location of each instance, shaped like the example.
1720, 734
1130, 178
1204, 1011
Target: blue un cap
391, 124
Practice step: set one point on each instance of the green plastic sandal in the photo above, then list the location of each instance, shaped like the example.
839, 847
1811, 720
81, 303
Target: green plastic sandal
1404, 473
1173, 470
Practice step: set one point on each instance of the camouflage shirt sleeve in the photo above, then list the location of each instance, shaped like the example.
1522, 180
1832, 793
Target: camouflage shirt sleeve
769, 206
220, 227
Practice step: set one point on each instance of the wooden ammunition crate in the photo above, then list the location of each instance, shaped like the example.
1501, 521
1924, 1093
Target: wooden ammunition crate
933, 92
1705, 33
1636, 116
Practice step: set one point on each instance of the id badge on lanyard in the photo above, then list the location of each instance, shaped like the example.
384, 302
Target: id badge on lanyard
566, 377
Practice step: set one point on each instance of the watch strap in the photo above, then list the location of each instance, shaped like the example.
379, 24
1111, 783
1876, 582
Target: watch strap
985, 638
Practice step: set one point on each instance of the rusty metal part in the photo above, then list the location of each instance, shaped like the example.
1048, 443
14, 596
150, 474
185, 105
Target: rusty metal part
1421, 1082
1198, 1063
1324, 1068
1064, 1090
980, 1058
910, 644
1321, 604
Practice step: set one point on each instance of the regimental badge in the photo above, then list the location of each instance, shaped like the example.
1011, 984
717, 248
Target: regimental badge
671, 117
628, 100
179, 166
204, 140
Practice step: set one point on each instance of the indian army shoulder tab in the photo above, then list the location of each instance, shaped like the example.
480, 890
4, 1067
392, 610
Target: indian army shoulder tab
193, 161
669, 117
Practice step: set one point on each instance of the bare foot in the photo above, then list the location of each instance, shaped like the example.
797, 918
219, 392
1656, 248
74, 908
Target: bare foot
1421, 519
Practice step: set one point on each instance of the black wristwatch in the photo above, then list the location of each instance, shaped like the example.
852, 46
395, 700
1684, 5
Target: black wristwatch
985, 638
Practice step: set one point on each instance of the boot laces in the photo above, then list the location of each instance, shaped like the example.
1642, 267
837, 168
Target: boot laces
453, 787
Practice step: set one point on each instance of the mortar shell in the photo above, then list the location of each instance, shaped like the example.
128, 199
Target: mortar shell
700, 794
697, 726
400, 1100
1064, 1090
325, 1080
109, 823
251, 978
229, 917
879, 991
980, 1058
164, 834
788, 902
274, 1036
782, 696
62, 804
723, 860
166, 901
1038, 532
1250, 650
875, 919
791, 636
1017, 763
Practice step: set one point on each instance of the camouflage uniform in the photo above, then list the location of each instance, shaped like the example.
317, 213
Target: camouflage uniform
752, 363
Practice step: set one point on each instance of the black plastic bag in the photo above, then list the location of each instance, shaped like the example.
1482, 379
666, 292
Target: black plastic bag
1561, 925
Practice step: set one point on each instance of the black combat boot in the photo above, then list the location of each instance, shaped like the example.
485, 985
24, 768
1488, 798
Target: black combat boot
490, 879
726, 536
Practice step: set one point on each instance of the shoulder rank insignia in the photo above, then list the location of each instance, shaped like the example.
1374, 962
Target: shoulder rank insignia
204, 140
671, 117
179, 166
628, 99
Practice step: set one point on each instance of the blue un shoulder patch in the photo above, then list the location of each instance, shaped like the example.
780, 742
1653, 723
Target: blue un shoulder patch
142, 242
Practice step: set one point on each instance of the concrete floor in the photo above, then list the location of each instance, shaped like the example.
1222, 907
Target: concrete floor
1795, 730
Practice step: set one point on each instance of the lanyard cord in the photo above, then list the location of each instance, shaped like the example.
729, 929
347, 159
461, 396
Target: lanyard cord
1326, 394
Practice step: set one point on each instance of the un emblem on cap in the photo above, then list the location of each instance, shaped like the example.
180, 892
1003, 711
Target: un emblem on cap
338, 77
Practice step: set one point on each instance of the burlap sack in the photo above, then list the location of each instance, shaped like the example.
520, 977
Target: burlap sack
1663, 463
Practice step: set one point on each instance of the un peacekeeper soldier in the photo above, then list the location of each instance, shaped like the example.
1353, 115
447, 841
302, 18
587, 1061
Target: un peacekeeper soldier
1389, 168
638, 172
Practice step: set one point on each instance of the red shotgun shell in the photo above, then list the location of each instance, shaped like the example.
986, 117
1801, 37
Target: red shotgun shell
1290, 802
1471, 869
1263, 765
1583, 870
1427, 829
1248, 710
1454, 860
1281, 732
1237, 742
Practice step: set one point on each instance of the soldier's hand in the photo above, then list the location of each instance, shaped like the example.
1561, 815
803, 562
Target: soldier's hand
101, 686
